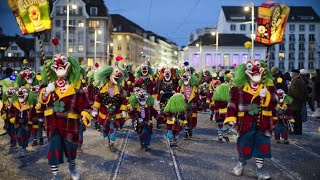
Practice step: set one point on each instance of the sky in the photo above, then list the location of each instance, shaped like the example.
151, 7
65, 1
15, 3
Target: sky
173, 19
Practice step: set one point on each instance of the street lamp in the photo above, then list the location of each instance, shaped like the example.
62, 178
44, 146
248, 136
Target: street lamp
96, 32
217, 44
74, 6
247, 8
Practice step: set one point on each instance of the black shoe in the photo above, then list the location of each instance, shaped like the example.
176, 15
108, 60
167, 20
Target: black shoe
186, 136
211, 117
190, 133
41, 142
220, 140
286, 141
80, 150
34, 143
112, 148
146, 149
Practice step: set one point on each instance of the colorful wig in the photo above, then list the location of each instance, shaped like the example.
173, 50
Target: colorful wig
20, 81
176, 104
222, 93
139, 74
102, 75
134, 101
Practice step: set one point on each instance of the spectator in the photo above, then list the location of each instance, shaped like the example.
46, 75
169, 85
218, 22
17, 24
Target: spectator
279, 80
308, 84
316, 80
5, 81
297, 90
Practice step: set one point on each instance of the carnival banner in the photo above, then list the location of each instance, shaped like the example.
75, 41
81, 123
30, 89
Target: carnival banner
32, 16
272, 19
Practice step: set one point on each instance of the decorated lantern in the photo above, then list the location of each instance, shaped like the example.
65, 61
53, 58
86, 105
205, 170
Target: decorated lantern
272, 19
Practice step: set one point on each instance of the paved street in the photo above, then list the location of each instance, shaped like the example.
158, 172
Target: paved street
202, 157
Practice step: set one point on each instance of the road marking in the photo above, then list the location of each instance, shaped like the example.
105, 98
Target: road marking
123, 145
175, 164
305, 149
291, 174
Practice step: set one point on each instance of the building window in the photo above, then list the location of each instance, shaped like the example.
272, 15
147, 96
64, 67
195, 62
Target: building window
281, 47
71, 49
257, 56
208, 59
310, 65
232, 27
281, 56
195, 60
80, 48
90, 62
16, 54
80, 23
311, 37
14, 47
301, 27
291, 46
301, 37
281, 65
244, 58
128, 48
291, 65
311, 46
301, 56
312, 27
291, 56
271, 63
272, 56
218, 60
292, 27
80, 10
119, 48
226, 60
58, 35
242, 27
93, 11
93, 24
58, 24
301, 46
291, 37
301, 66
235, 59
58, 10
311, 56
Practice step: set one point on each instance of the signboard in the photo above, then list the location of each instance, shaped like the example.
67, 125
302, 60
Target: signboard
272, 19
32, 15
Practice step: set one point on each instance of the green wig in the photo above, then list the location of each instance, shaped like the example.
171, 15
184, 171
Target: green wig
73, 76
192, 82
139, 74
222, 93
176, 104
101, 76
22, 82
201, 74
134, 101
32, 98
90, 77
287, 99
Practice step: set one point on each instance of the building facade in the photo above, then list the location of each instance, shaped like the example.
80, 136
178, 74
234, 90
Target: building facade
13, 50
137, 45
301, 45
89, 31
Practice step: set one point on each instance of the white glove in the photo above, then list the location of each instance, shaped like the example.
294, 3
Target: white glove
128, 123
263, 92
161, 92
231, 123
94, 113
50, 88
124, 114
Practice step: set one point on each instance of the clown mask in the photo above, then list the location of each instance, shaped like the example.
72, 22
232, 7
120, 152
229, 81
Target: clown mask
281, 95
142, 97
167, 74
35, 88
186, 78
10, 92
27, 75
115, 75
22, 94
128, 67
144, 69
254, 71
205, 73
60, 65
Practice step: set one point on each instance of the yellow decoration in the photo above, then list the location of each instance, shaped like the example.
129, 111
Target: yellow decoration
25, 61
248, 45
319, 130
279, 80
83, 81
39, 77
129, 83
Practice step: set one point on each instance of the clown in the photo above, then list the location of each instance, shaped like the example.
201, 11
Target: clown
212, 87
110, 104
22, 114
67, 108
221, 98
92, 90
175, 117
283, 117
167, 81
190, 91
203, 92
144, 78
142, 112
204, 76
129, 82
28, 79
253, 98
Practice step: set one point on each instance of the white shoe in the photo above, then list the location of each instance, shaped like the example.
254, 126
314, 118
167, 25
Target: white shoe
238, 170
75, 175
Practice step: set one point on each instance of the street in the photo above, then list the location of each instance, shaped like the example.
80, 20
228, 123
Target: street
202, 157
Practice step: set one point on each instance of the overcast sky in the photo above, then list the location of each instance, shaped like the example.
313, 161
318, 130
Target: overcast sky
173, 19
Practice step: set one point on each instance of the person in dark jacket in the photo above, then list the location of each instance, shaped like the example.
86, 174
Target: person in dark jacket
297, 90
278, 79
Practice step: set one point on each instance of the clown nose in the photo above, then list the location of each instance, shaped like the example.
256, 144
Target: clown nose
142, 96
59, 61
20, 93
255, 68
119, 75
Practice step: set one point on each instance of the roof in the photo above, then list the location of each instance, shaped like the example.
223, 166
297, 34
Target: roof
224, 40
122, 24
297, 13
25, 44
102, 8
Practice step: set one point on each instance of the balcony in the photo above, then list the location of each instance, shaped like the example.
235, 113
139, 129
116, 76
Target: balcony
302, 39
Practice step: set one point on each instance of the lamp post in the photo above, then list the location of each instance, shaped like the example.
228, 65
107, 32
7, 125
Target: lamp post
217, 45
96, 32
74, 6
247, 8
